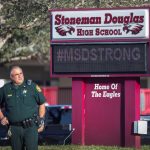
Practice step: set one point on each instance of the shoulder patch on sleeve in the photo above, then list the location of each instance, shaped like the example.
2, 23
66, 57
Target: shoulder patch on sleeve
29, 82
38, 88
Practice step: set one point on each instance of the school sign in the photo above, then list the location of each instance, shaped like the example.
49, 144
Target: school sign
105, 51
100, 24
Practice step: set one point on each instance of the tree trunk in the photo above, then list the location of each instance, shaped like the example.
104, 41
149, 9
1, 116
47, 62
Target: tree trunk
97, 3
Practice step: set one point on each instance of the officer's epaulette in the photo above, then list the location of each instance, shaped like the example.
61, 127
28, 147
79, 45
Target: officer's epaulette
29, 82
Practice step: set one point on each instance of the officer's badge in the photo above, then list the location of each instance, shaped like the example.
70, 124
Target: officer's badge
24, 91
38, 88
9, 95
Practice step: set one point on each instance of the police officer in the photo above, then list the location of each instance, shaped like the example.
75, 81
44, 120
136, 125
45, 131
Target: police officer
23, 100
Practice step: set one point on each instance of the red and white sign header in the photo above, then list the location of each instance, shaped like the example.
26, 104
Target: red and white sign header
100, 24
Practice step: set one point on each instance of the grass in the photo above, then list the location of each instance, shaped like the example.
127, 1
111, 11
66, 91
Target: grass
77, 147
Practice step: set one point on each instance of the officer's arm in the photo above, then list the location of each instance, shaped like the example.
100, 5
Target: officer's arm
1, 101
42, 110
3, 119
41, 102
40, 99
1, 115
41, 115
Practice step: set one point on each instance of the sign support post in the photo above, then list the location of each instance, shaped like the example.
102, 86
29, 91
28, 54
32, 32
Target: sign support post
78, 105
114, 126
132, 111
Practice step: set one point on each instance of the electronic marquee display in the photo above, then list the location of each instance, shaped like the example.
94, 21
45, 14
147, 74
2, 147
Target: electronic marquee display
128, 58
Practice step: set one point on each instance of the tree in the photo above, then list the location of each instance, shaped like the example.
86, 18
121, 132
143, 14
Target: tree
24, 30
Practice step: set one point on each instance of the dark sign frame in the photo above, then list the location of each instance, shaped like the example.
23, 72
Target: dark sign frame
107, 59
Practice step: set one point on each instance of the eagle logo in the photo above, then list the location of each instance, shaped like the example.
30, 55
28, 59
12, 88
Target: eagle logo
64, 29
133, 28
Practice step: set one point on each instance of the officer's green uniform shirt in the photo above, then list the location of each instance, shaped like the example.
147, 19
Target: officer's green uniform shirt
21, 102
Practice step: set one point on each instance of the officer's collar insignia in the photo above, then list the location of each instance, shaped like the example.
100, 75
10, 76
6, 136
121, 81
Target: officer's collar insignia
38, 88
9, 95
24, 91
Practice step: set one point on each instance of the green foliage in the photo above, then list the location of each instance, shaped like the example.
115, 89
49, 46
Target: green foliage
27, 24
